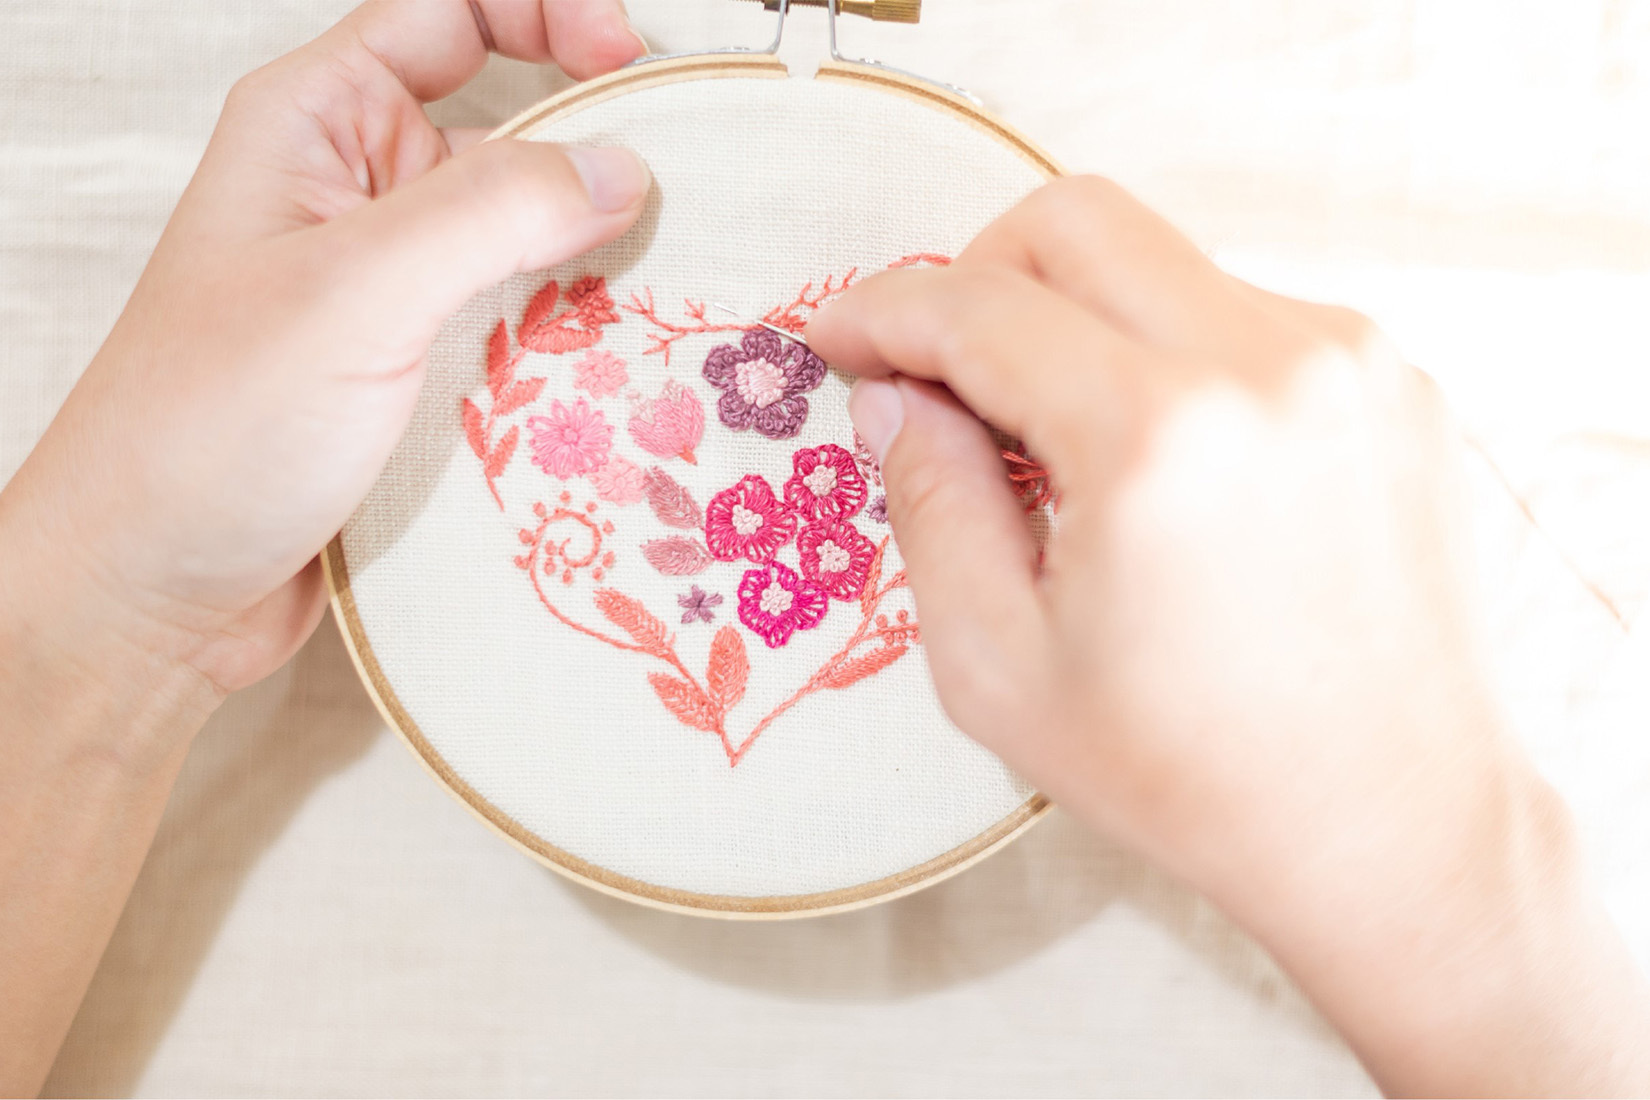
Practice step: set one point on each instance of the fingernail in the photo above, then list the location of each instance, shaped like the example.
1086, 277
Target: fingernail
878, 413
615, 179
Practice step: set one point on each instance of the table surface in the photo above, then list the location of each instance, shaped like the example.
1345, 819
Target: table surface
317, 917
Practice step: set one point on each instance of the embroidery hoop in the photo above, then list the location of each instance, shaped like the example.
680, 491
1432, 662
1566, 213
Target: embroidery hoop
646, 74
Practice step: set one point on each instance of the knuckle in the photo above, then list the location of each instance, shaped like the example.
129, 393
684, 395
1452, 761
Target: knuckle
252, 89
1356, 333
1087, 200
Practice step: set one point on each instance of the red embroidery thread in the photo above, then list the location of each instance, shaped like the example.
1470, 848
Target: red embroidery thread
790, 316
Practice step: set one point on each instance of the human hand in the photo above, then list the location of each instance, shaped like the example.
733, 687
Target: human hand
272, 352
1250, 652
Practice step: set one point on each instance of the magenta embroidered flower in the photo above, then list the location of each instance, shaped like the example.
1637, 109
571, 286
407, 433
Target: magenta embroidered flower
621, 481
826, 485
669, 425
600, 373
570, 442
698, 605
775, 603
836, 558
748, 521
762, 383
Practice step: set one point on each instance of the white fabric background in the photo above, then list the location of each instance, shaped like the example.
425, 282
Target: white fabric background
319, 918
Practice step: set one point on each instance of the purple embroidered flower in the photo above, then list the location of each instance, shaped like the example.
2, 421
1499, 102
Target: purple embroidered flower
826, 485
570, 442
748, 521
878, 511
699, 605
775, 603
762, 383
836, 558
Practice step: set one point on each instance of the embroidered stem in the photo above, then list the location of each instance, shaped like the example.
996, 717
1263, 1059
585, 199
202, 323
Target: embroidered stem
664, 649
789, 316
840, 670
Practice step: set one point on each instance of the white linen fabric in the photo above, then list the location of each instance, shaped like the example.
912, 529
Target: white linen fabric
317, 918
765, 190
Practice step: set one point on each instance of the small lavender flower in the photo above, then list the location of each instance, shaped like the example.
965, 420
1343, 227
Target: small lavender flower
699, 605
878, 510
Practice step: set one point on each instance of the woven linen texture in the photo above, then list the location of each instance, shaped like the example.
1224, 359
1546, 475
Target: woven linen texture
628, 493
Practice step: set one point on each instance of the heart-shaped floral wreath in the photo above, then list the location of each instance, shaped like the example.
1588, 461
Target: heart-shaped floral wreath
763, 380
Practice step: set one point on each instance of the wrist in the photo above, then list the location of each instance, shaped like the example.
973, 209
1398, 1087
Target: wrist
95, 673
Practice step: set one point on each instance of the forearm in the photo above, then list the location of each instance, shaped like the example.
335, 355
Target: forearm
94, 723
1477, 961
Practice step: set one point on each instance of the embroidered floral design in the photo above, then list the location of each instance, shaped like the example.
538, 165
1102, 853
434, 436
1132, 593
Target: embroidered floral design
570, 442
698, 605
826, 483
762, 382
620, 481
1030, 481
775, 603
676, 556
866, 461
670, 425
509, 397
793, 316
748, 521
600, 374
671, 501
878, 509
577, 325
836, 558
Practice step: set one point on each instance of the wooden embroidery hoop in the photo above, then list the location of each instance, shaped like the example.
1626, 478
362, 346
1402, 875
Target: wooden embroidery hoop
648, 73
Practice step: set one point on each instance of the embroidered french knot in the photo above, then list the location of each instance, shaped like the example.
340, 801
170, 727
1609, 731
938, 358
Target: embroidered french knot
808, 560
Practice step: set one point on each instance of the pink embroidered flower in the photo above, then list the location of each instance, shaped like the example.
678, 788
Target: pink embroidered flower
600, 373
671, 424
621, 481
836, 558
748, 521
775, 603
762, 383
698, 605
826, 485
570, 442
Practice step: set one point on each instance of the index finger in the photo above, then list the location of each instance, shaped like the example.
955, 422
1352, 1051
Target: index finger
434, 46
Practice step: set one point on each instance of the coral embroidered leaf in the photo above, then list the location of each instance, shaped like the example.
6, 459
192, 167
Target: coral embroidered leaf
685, 701
849, 673
500, 458
630, 616
519, 396
577, 326
501, 366
729, 669
539, 309
676, 556
869, 595
671, 501
475, 428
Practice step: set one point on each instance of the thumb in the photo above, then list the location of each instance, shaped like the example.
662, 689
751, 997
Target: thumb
969, 554
410, 259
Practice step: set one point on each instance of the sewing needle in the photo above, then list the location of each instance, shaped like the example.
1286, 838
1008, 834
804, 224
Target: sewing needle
760, 324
